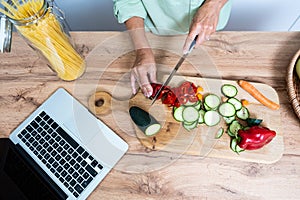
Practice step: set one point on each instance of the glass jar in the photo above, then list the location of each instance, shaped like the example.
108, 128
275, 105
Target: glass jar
5, 34
43, 26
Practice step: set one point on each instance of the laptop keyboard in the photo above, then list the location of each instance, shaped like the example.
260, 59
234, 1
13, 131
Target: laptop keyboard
61, 154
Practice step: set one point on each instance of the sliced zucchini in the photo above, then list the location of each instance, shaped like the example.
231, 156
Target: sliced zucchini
253, 121
212, 118
189, 126
188, 103
201, 116
243, 113
198, 105
229, 133
212, 101
206, 107
190, 114
146, 122
187, 123
219, 133
229, 120
233, 144
238, 149
234, 127
246, 128
229, 90
237, 104
177, 113
227, 109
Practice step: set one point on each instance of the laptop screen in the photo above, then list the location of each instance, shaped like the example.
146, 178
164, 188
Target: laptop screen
19, 178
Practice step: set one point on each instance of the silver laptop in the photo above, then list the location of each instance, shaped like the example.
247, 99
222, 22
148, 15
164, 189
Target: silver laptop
61, 151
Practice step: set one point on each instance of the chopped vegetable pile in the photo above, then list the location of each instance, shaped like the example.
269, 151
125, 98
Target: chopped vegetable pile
191, 109
177, 96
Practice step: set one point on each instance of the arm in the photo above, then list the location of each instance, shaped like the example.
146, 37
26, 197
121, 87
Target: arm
144, 68
133, 13
204, 22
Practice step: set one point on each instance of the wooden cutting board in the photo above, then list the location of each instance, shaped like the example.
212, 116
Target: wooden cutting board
201, 141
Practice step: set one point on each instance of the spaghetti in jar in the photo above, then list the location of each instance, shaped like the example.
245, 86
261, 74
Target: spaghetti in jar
44, 30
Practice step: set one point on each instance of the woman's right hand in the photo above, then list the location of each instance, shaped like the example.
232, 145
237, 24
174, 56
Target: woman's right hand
143, 71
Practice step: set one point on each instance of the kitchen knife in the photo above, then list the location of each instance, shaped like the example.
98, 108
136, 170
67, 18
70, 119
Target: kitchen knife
174, 70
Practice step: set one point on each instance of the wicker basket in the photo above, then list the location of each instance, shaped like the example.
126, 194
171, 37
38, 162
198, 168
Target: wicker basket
293, 84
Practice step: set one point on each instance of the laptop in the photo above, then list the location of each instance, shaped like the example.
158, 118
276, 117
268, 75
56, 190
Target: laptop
61, 151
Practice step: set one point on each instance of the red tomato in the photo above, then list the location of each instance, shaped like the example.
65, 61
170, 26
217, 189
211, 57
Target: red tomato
194, 87
193, 98
182, 99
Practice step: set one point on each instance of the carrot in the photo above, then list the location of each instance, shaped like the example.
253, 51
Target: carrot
258, 95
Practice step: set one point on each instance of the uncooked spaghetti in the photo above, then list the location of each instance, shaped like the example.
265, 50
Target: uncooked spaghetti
39, 25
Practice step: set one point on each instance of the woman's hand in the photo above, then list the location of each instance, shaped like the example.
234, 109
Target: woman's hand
204, 22
143, 71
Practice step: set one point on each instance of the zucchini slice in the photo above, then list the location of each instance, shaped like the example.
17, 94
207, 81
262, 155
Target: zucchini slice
233, 144
243, 113
229, 90
212, 101
201, 116
229, 120
146, 122
219, 133
189, 126
188, 103
237, 104
238, 149
212, 118
177, 113
190, 114
229, 133
198, 105
227, 109
234, 127
206, 107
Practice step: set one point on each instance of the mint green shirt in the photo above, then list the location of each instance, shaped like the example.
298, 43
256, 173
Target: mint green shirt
165, 17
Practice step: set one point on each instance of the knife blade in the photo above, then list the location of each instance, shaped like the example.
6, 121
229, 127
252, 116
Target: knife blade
179, 63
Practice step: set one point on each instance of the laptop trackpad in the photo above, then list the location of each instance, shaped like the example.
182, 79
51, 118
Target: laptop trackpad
82, 124
107, 146
96, 136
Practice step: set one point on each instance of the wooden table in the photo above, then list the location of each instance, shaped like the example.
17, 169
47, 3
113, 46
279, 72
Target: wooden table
256, 56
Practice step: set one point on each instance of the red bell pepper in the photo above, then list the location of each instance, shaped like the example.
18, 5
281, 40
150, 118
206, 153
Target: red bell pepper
156, 87
255, 137
176, 96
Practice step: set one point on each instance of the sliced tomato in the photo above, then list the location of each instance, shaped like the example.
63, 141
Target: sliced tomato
187, 88
194, 87
182, 100
193, 98
176, 91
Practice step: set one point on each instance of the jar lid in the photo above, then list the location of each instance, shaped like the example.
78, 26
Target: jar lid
5, 34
